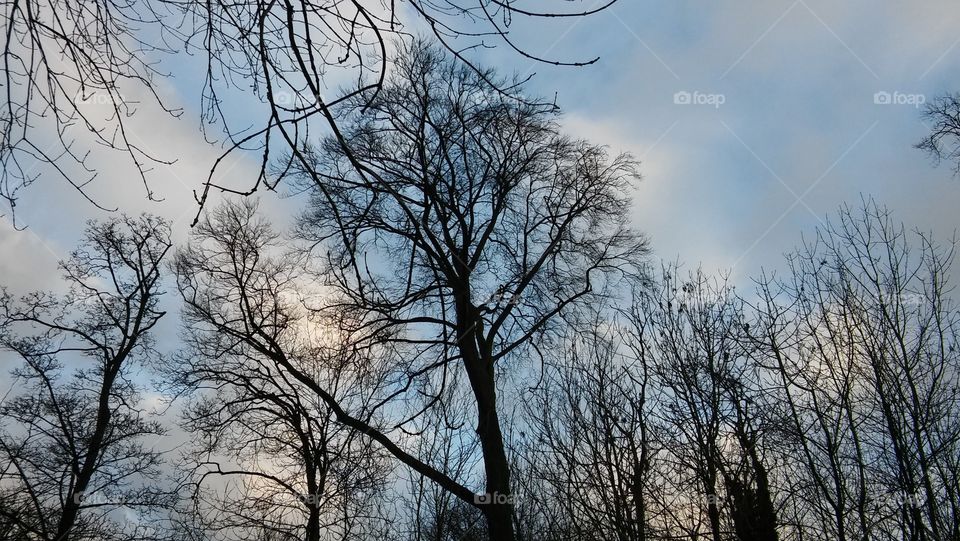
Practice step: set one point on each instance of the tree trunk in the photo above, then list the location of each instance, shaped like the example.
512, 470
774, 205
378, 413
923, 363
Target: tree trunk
497, 503
71, 508
713, 504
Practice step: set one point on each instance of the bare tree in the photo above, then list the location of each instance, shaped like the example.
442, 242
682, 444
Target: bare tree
656, 424
486, 225
862, 335
75, 451
588, 448
67, 68
943, 142
433, 513
696, 348
270, 456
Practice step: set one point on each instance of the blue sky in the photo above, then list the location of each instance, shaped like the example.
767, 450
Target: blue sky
798, 132
731, 185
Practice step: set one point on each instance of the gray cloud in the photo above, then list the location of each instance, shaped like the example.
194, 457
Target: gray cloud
721, 183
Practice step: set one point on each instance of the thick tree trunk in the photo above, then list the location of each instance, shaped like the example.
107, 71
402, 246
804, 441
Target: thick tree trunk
713, 505
312, 530
752, 509
639, 532
71, 508
497, 505
313, 525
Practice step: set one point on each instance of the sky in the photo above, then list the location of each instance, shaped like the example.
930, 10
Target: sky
783, 124
753, 121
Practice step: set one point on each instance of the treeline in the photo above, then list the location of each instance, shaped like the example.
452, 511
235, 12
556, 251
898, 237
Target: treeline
821, 405
462, 339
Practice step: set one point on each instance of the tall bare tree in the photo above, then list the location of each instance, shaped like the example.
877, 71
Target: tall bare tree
464, 218
588, 444
270, 455
710, 418
862, 336
76, 451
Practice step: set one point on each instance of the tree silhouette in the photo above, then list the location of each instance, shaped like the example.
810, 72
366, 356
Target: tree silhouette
74, 449
487, 226
72, 70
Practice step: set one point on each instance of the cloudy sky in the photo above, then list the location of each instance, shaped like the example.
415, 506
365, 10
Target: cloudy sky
754, 120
